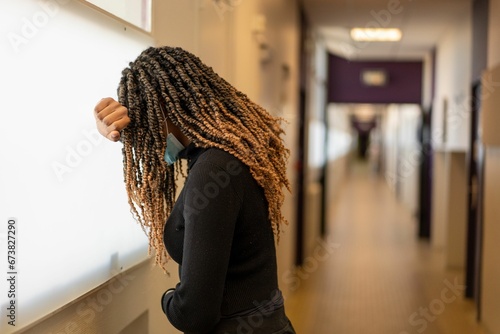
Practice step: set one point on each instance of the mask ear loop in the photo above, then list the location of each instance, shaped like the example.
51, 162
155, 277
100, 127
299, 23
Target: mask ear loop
164, 114
164, 118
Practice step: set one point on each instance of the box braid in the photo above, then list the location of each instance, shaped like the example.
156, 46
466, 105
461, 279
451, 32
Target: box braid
211, 113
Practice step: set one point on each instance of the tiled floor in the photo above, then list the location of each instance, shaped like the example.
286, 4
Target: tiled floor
377, 277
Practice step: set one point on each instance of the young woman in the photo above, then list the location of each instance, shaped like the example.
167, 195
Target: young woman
221, 229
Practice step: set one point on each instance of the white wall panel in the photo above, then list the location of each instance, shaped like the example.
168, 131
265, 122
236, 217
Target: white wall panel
60, 178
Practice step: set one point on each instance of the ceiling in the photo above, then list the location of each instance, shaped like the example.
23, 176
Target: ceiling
423, 23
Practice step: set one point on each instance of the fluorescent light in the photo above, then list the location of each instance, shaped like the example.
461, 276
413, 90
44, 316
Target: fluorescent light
376, 34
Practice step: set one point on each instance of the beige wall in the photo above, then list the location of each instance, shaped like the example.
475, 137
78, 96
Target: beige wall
175, 23
491, 249
260, 75
491, 229
223, 38
449, 203
284, 103
456, 206
215, 45
439, 200
493, 33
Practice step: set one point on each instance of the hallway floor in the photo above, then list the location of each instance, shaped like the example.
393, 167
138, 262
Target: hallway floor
373, 276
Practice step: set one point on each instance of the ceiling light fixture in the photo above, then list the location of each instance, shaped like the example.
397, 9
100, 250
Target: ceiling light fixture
376, 34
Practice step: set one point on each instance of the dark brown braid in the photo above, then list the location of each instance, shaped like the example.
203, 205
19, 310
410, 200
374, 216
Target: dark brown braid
211, 113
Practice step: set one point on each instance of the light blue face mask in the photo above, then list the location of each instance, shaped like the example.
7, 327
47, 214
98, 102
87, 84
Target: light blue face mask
174, 146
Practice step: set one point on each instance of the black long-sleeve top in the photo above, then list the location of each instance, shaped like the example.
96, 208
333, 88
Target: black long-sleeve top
220, 235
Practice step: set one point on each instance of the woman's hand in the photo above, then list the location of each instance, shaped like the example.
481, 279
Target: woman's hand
111, 117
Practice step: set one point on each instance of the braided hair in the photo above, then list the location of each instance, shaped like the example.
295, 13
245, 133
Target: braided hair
210, 112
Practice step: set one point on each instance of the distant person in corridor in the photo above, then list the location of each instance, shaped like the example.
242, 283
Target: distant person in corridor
221, 229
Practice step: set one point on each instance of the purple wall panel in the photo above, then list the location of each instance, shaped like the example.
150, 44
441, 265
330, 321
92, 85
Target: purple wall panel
345, 86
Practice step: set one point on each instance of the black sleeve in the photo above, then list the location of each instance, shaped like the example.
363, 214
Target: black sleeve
211, 206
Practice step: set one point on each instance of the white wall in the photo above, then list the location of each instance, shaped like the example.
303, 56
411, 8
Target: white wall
390, 126
427, 81
60, 178
453, 77
340, 145
453, 74
402, 152
409, 155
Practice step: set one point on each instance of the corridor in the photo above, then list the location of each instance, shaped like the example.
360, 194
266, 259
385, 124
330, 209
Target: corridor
379, 279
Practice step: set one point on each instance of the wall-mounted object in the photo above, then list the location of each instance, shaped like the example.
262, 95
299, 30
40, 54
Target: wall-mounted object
445, 120
374, 77
134, 12
259, 27
490, 113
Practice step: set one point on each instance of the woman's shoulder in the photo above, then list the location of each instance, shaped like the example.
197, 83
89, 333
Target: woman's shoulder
215, 169
222, 160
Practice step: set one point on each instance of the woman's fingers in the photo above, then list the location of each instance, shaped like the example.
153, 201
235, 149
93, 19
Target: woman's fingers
115, 128
111, 117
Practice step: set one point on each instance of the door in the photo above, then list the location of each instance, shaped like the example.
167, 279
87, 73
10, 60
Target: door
425, 188
475, 200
